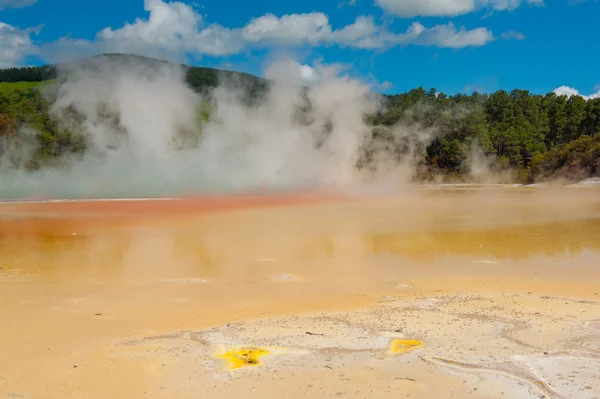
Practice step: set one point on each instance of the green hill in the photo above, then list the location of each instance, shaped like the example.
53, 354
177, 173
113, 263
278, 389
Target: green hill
6, 87
198, 78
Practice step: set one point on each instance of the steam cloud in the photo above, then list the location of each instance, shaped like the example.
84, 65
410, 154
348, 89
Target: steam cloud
144, 137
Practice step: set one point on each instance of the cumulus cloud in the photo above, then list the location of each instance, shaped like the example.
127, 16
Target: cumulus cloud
170, 27
445, 36
15, 44
174, 28
307, 29
294, 29
569, 91
167, 23
438, 8
16, 3
415, 8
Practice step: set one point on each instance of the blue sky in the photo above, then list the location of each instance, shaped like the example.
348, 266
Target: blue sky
396, 45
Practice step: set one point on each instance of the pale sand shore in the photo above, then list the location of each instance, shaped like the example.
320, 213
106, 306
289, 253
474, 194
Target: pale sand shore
502, 291
476, 345
484, 345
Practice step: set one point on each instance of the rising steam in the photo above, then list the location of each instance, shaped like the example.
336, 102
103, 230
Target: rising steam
145, 137
148, 134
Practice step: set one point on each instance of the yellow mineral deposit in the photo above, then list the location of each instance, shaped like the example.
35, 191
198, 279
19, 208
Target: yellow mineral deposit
242, 357
405, 345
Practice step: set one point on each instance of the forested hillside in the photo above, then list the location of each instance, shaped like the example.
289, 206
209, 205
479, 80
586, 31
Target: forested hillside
514, 128
532, 135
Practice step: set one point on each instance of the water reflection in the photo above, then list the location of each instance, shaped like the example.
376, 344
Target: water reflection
323, 242
516, 242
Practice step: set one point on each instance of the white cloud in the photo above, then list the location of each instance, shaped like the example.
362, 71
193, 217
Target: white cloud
425, 8
293, 29
166, 25
308, 29
217, 40
16, 3
172, 29
314, 29
355, 34
438, 8
15, 44
569, 91
445, 36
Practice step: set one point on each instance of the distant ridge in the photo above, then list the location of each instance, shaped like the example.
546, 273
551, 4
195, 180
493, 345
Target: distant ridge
198, 78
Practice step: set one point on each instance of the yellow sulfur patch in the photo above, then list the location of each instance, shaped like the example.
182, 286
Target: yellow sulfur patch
405, 345
243, 357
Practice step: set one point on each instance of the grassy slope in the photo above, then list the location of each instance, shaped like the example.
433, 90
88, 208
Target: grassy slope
6, 87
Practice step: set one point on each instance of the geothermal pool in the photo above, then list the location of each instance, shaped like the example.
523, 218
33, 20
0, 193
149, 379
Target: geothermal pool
485, 293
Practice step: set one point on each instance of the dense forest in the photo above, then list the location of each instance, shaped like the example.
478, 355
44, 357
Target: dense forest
519, 130
532, 136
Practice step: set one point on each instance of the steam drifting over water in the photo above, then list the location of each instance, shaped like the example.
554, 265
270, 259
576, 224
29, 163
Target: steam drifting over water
145, 137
